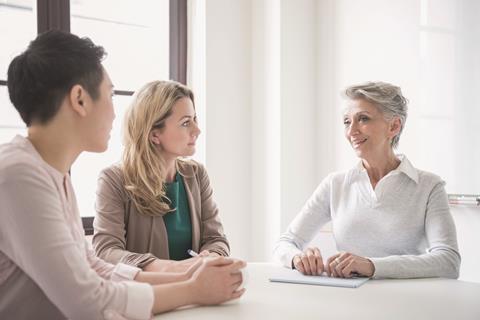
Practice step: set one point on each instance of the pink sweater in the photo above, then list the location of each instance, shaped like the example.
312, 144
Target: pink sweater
47, 270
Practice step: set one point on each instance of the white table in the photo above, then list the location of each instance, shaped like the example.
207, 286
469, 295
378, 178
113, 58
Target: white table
377, 299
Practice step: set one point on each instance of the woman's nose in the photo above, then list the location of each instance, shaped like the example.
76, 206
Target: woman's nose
352, 129
196, 131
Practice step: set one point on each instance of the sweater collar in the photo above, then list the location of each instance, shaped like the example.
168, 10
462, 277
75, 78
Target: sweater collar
405, 167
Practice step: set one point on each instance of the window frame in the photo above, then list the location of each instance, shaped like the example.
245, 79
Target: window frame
55, 15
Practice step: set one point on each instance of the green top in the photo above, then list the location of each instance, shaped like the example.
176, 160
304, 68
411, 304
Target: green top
177, 222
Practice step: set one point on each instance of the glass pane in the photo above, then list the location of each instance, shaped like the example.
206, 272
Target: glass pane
7, 134
10, 122
18, 16
18, 26
135, 35
9, 115
137, 43
87, 167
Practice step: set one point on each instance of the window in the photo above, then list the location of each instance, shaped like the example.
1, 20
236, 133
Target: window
137, 45
145, 40
137, 41
10, 122
18, 15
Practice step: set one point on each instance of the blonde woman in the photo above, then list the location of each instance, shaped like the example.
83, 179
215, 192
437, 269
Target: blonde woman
156, 205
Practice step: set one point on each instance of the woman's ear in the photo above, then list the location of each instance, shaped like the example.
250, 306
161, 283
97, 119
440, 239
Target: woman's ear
395, 126
77, 98
154, 136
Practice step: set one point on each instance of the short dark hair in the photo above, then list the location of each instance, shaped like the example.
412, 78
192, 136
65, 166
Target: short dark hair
41, 76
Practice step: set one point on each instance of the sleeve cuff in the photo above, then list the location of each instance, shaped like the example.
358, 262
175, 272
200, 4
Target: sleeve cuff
218, 250
289, 258
285, 255
139, 300
380, 268
123, 272
219, 247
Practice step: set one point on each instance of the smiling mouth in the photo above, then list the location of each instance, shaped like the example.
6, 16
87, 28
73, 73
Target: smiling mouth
357, 143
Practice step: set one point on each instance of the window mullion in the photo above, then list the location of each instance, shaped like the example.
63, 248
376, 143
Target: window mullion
178, 40
53, 15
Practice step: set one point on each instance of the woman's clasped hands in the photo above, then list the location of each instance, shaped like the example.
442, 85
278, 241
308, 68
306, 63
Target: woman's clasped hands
340, 265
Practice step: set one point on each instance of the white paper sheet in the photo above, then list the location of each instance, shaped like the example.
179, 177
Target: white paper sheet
293, 276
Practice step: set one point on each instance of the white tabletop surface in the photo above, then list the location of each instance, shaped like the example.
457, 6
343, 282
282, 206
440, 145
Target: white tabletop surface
377, 299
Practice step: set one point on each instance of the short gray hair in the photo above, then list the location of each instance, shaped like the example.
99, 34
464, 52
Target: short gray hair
386, 97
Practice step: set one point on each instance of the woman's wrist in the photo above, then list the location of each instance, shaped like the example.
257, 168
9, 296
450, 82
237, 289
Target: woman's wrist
174, 295
191, 290
185, 276
372, 268
155, 266
159, 265
214, 254
156, 278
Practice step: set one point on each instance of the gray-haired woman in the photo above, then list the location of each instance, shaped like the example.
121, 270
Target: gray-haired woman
389, 219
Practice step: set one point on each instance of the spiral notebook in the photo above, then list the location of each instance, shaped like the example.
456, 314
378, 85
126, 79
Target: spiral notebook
293, 276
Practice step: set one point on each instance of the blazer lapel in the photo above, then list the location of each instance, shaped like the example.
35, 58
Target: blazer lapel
192, 190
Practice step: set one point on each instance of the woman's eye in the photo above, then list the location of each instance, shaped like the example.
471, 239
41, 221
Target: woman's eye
186, 124
346, 122
363, 119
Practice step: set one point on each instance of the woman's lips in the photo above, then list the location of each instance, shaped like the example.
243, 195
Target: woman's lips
358, 142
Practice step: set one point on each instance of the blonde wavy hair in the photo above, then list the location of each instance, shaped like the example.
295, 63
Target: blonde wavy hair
143, 167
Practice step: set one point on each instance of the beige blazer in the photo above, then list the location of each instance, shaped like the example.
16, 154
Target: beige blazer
121, 234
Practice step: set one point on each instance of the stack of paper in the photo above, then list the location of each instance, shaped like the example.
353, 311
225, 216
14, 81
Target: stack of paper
293, 276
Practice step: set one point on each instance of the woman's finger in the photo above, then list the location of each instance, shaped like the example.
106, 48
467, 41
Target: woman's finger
350, 270
318, 256
329, 265
297, 263
306, 264
334, 266
238, 293
312, 260
343, 264
204, 253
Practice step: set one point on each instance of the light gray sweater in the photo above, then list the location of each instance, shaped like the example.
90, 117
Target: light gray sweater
404, 226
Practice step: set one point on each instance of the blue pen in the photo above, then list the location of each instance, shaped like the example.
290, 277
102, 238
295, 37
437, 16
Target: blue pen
192, 253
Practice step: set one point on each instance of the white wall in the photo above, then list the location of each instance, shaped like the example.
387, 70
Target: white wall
299, 106
326, 99
467, 221
261, 110
265, 118
228, 109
